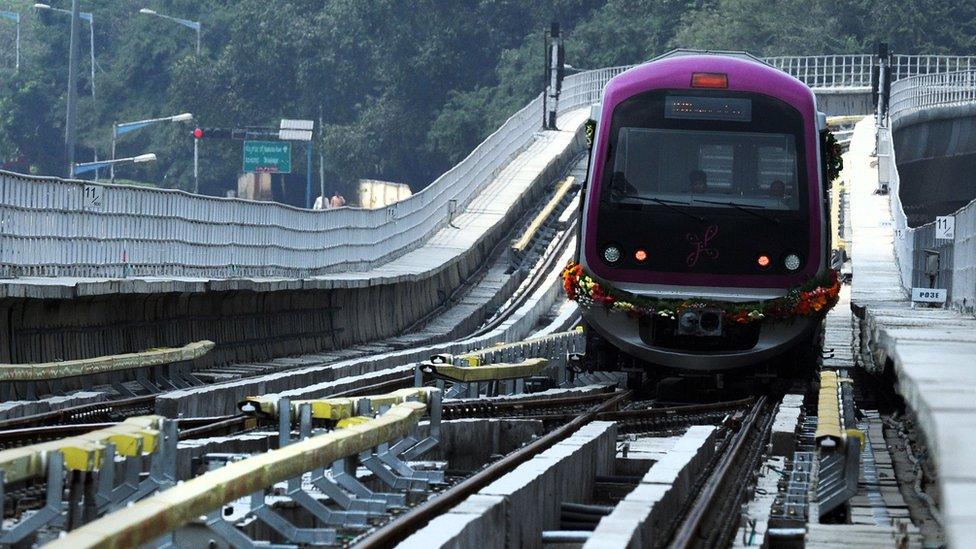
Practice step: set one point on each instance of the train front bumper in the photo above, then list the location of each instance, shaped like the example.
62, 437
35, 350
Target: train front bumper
623, 332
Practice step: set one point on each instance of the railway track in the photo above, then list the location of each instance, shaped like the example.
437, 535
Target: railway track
705, 513
711, 518
397, 530
615, 407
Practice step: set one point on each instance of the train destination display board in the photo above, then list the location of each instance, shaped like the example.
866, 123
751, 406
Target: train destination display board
708, 108
267, 156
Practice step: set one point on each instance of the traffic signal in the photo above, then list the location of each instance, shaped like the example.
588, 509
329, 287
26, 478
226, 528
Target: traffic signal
211, 133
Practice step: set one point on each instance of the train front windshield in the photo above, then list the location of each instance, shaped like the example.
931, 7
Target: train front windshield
696, 149
705, 168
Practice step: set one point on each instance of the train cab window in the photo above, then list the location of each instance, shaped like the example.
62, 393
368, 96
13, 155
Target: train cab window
705, 169
660, 158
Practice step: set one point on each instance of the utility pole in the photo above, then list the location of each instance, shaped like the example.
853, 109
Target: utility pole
321, 160
554, 83
69, 130
881, 82
309, 199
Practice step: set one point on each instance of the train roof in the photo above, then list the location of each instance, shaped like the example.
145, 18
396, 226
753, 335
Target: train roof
684, 52
674, 70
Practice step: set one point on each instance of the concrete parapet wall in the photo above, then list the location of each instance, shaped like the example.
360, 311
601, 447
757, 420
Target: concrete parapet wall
58, 228
248, 320
935, 150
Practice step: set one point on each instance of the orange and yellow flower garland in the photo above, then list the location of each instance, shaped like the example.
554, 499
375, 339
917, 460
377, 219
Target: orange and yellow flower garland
813, 298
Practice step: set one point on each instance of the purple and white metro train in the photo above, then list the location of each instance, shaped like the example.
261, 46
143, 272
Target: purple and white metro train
705, 181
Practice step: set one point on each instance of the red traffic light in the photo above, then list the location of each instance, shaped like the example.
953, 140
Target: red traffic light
198, 133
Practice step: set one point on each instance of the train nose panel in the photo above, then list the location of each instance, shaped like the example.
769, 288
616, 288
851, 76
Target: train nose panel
656, 340
697, 330
700, 323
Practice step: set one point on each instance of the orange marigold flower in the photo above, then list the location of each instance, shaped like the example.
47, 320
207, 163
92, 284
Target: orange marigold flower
741, 317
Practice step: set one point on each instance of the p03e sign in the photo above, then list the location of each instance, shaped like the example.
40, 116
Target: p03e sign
929, 295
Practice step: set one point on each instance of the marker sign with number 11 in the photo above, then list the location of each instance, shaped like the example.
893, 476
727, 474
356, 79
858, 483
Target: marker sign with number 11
945, 227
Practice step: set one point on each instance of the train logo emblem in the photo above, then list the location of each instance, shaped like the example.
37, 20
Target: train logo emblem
700, 245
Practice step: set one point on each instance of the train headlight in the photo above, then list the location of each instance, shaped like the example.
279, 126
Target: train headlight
611, 254
791, 262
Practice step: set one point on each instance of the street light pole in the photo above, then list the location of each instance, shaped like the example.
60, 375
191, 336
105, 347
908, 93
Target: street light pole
85, 16
195, 25
91, 43
69, 131
84, 167
15, 17
111, 168
73, 67
126, 127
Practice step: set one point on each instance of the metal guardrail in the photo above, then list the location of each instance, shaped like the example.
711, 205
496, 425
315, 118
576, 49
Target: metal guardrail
916, 93
906, 66
56, 228
828, 71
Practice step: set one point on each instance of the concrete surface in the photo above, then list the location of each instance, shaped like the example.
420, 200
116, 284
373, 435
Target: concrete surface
640, 519
932, 351
514, 510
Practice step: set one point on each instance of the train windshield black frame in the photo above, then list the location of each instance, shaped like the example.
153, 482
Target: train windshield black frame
659, 161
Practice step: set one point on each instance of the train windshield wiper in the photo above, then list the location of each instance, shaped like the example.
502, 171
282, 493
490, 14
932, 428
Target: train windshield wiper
669, 204
747, 208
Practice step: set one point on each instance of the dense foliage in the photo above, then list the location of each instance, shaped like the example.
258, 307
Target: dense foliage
404, 88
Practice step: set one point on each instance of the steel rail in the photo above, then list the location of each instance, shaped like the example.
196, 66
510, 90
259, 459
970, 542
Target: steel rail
712, 506
75, 412
331, 407
540, 277
60, 418
665, 412
504, 407
399, 529
486, 372
496, 250
193, 428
